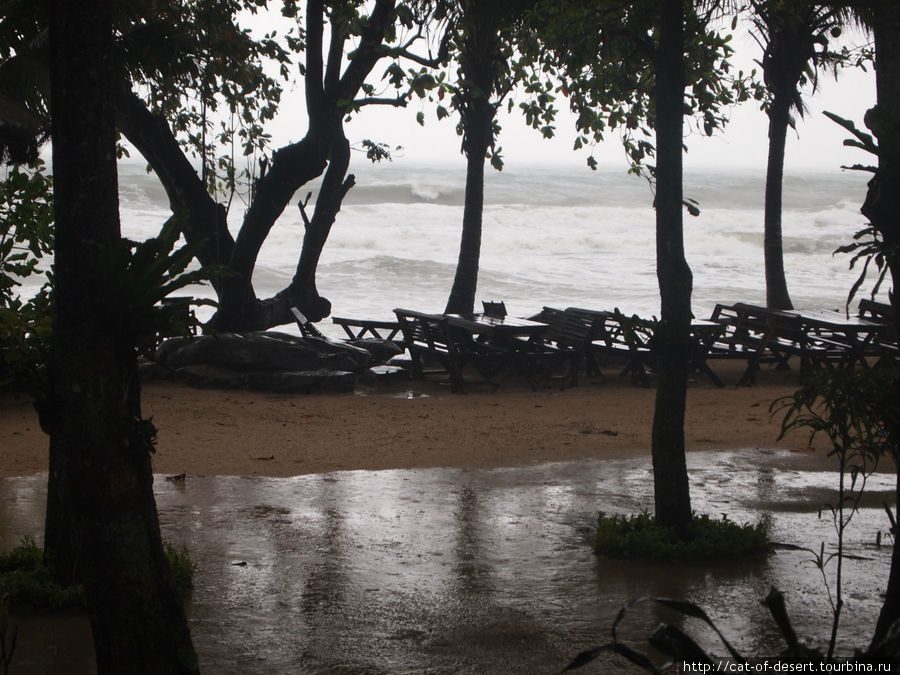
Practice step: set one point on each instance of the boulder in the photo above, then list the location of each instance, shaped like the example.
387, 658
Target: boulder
381, 350
301, 381
262, 351
206, 376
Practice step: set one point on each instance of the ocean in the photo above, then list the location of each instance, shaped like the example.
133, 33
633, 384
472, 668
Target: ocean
552, 236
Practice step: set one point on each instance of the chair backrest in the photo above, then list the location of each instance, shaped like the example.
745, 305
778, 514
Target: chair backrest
875, 311
555, 319
422, 331
495, 309
307, 327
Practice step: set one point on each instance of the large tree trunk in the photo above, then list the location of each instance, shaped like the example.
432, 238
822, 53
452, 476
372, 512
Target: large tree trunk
102, 525
670, 479
465, 281
776, 284
480, 60
335, 184
881, 208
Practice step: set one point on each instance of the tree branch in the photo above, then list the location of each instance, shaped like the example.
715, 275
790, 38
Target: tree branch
153, 138
399, 102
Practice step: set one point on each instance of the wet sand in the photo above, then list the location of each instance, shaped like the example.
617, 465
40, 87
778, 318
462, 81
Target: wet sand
480, 567
418, 425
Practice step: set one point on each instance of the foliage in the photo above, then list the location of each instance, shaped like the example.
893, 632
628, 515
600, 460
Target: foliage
795, 37
209, 76
25, 330
142, 275
27, 582
639, 536
26, 238
868, 243
183, 568
26, 226
681, 648
855, 410
602, 54
852, 407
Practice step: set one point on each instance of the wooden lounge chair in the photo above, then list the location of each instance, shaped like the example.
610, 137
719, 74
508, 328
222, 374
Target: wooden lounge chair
432, 341
307, 327
427, 339
565, 346
627, 339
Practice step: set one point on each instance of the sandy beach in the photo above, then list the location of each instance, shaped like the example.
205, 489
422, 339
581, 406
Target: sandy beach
416, 425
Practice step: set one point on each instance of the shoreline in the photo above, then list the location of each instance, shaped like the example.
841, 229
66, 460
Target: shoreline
418, 425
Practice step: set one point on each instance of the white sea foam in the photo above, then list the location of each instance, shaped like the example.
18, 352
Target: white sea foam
551, 237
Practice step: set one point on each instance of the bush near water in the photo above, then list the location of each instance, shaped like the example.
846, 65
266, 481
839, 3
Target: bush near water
28, 582
640, 537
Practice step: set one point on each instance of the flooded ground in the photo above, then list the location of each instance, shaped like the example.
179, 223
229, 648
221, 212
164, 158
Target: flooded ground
473, 571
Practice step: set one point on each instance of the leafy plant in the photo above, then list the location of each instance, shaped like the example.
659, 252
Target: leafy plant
853, 409
26, 237
142, 277
676, 644
640, 536
26, 226
183, 568
868, 243
25, 580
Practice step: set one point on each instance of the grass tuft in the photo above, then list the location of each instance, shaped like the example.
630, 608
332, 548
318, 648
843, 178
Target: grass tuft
640, 537
28, 582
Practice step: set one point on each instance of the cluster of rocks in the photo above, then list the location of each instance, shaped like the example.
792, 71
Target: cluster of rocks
276, 362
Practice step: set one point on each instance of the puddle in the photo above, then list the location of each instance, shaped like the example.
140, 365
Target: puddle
477, 571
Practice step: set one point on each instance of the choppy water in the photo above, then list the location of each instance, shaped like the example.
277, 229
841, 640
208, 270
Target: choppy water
552, 236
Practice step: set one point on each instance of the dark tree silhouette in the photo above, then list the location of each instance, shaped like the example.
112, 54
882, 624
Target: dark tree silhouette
101, 517
794, 36
671, 338
880, 208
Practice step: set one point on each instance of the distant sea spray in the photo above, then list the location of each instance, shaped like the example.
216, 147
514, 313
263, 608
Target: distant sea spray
552, 236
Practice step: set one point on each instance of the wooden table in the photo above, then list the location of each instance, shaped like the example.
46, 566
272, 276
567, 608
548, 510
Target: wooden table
508, 344
497, 329
860, 337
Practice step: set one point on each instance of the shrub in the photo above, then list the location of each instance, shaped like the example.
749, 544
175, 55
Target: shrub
28, 582
639, 536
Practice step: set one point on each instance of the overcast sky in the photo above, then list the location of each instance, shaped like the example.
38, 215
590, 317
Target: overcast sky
817, 143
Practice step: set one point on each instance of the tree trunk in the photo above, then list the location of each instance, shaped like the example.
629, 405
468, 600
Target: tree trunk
480, 70
880, 208
671, 339
776, 284
335, 185
102, 525
465, 281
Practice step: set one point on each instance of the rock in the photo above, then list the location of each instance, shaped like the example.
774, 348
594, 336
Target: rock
262, 351
150, 370
301, 381
211, 377
381, 350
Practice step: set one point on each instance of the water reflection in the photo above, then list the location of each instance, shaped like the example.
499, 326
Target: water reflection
452, 570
